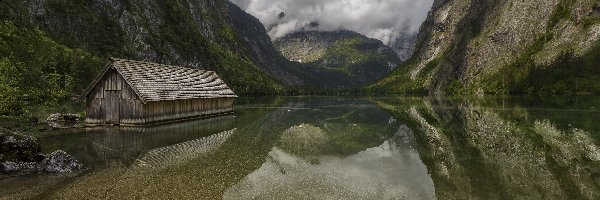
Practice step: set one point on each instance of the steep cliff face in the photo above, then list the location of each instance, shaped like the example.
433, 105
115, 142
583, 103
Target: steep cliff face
510, 46
404, 45
211, 34
344, 59
259, 47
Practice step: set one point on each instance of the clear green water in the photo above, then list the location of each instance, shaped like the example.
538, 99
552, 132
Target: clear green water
340, 148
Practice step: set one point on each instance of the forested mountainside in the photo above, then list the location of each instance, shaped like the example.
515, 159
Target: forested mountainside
503, 47
53, 49
338, 59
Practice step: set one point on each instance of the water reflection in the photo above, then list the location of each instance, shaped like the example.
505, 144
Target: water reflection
120, 146
341, 148
182, 153
491, 149
391, 170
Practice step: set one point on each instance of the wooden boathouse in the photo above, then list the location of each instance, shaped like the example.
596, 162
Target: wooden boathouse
131, 92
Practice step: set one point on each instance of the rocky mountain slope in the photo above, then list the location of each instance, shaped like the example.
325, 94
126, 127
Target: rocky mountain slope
259, 47
341, 59
503, 47
404, 45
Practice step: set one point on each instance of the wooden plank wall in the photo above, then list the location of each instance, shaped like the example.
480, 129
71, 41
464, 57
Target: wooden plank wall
128, 107
182, 109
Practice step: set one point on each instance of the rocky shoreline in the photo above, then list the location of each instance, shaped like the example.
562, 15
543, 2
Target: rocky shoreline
69, 120
21, 154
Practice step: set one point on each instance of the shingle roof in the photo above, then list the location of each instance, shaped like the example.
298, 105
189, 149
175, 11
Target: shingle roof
158, 82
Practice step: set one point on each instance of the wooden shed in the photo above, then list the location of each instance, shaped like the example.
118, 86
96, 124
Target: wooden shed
131, 92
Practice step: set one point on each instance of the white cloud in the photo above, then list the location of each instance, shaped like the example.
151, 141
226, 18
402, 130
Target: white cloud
380, 19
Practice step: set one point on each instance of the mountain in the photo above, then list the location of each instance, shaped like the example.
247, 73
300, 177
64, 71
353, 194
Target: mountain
503, 47
210, 34
338, 59
53, 49
404, 45
259, 47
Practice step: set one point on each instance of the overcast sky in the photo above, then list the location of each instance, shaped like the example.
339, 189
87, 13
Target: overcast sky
380, 19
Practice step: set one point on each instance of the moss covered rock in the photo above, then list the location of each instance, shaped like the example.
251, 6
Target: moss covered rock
21, 154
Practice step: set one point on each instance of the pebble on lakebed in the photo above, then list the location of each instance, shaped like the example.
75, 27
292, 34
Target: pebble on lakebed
20, 154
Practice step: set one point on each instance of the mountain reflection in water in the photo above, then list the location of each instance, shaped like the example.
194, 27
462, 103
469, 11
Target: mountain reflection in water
392, 170
507, 148
341, 148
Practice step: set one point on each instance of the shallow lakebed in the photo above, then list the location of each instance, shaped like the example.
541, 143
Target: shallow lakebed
340, 148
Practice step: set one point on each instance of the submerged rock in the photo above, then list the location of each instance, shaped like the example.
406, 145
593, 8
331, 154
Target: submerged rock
59, 162
18, 167
19, 147
20, 154
304, 139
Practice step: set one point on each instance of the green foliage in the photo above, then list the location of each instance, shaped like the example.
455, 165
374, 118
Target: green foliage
568, 74
36, 70
561, 11
507, 79
10, 104
456, 87
400, 81
350, 54
588, 21
14, 11
241, 74
103, 35
175, 33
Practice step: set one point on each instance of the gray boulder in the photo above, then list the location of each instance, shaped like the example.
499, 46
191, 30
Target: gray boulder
20, 154
59, 162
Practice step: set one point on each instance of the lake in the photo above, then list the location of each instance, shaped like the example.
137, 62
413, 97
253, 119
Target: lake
340, 148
